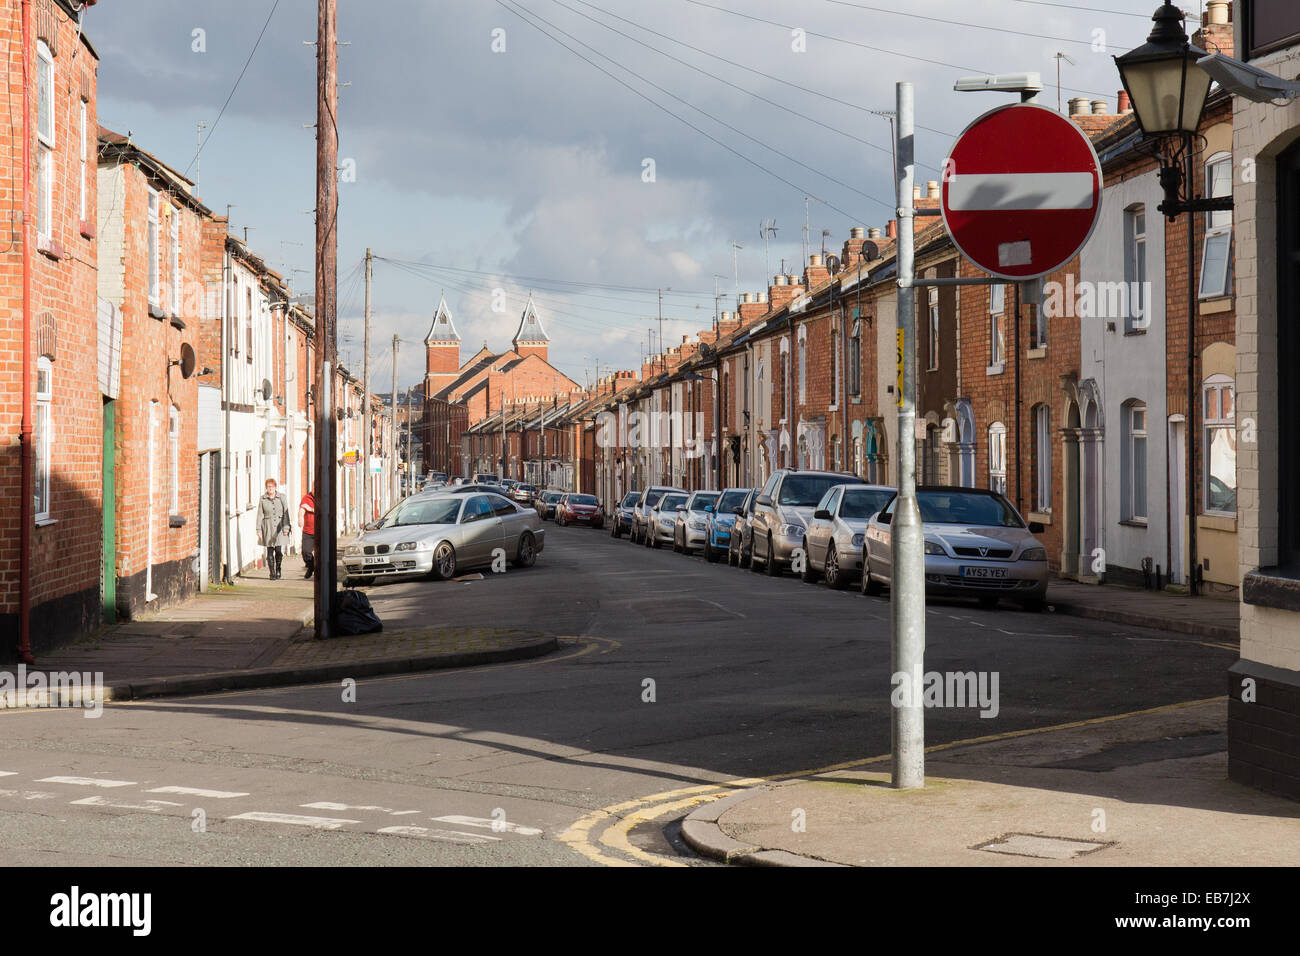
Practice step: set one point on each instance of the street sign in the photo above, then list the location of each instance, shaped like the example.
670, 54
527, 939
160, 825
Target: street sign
1021, 191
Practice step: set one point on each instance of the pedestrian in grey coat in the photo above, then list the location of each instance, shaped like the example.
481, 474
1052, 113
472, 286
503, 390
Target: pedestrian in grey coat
273, 526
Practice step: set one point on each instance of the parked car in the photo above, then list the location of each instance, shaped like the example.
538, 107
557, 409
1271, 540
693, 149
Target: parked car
487, 478
442, 535
641, 513
691, 528
782, 512
976, 545
580, 509
620, 520
833, 543
463, 489
523, 494
717, 539
662, 519
740, 550
547, 501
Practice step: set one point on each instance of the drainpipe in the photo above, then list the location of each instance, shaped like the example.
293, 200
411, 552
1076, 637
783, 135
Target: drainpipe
26, 512
148, 566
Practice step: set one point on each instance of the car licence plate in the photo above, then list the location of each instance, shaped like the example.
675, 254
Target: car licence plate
968, 572
383, 559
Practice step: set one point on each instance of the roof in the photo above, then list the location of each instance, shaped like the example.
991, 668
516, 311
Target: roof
114, 147
442, 329
530, 325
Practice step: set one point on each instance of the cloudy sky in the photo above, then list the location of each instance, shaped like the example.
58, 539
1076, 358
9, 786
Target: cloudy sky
507, 144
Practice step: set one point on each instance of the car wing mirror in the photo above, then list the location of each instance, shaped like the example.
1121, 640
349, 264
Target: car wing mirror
765, 500
821, 514
885, 517
1036, 527
739, 512
709, 508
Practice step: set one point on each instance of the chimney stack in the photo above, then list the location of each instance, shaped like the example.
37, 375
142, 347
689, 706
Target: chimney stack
750, 309
815, 272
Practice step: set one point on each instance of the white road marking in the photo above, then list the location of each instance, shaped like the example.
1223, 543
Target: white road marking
448, 836
88, 782
27, 794
497, 826
153, 806
8, 773
318, 823
326, 805
198, 792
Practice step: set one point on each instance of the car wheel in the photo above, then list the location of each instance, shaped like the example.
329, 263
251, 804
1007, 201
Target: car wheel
710, 552
677, 548
654, 540
745, 559
1035, 605
526, 556
444, 562
613, 531
834, 578
988, 601
868, 585
809, 573
770, 565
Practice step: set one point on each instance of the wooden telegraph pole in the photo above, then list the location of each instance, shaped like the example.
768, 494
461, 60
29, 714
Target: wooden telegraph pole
327, 200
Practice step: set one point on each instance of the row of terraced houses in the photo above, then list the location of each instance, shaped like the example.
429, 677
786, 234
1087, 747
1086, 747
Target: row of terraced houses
1077, 400
160, 367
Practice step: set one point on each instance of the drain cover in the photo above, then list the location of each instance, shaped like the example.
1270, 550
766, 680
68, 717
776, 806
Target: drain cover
1043, 847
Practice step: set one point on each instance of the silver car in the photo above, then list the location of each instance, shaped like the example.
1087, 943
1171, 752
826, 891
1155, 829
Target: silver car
691, 530
662, 519
782, 513
976, 545
641, 513
833, 544
440, 536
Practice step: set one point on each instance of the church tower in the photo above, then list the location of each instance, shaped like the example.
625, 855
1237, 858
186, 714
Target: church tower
531, 338
442, 351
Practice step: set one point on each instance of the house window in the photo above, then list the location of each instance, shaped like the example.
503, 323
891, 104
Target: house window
803, 365
174, 459
998, 457
835, 453
1037, 327
248, 310
81, 204
1135, 268
997, 337
1220, 444
857, 457
1133, 477
174, 264
1043, 457
1217, 248
41, 436
934, 329
44, 141
153, 248
854, 366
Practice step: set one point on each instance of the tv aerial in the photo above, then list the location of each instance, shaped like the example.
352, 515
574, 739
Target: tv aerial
766, 232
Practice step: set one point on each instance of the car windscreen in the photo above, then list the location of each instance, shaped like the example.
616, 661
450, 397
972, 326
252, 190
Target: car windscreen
671, 502
582, 499
863, 502
730, 501
806, 490
703, 501
956, 507
427, 511
552, 496
524, 488
652, 498
630, 499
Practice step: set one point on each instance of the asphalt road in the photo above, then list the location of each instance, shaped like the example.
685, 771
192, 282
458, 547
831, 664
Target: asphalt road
674, 676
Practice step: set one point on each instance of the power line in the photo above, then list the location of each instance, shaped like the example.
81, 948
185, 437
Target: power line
858, 43
958, 23
1071, 6
238, 80
731, 149
526, 279
820, 94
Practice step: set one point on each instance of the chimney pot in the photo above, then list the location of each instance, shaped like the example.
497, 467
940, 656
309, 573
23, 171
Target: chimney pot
746, 297
855, 232
891, 230
916, 192
1123, 104
932, 189
1079, 105
779, 280
1099, 108
760, 297
815, 259
1217, 11
873, 233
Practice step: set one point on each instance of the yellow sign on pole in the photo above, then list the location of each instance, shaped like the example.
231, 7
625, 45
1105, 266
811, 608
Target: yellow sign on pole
899, 386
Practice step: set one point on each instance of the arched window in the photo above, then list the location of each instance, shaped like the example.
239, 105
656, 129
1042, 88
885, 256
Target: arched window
998, 457
1220, 443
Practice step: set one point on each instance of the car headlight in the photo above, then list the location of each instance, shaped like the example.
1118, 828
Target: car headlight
934, 547
857, 541
353, 549
1033, 554
698, 524
792, 530
405, 546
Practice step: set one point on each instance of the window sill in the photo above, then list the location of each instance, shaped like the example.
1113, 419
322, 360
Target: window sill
1134, 523
1211, 521
87, 229
1135, 331
157, 312
1215, 304
177, 322
50, 248
1042, 517
1037, 353
175, 521
1271, 587
46, 522
997, 369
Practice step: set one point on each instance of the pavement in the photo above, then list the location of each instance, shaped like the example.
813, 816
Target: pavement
259, 633
1145, 789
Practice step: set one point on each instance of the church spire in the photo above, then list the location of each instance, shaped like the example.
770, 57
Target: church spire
443, 329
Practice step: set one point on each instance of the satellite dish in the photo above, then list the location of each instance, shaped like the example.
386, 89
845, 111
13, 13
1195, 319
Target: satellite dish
266, 389
188, 360
870, 251
833, 264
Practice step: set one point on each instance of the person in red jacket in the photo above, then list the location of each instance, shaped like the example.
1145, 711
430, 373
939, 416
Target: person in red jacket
307, 521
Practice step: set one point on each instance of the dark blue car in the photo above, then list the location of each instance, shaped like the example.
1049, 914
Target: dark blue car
718, 540
621, 519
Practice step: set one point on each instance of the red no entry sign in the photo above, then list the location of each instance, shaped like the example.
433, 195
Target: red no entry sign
1021, 191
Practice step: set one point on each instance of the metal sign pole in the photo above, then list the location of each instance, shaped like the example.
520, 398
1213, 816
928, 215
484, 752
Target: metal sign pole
907, 595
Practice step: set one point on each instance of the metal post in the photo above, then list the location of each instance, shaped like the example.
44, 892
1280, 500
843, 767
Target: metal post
393, 489
1192, 560
367, 494
907, 596
326, 261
